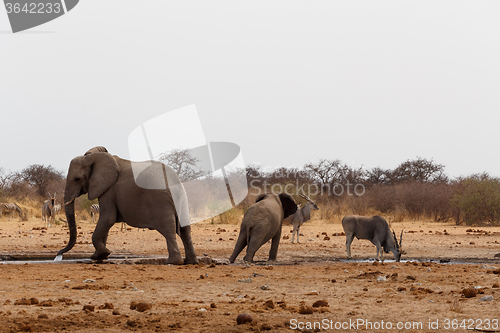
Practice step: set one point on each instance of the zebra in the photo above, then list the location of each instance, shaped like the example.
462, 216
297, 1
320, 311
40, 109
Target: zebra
11, 208
94, 210
48, 209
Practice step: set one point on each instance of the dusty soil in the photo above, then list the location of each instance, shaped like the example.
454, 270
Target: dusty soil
87, 296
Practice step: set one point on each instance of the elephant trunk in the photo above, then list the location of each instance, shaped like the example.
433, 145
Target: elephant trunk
70, 216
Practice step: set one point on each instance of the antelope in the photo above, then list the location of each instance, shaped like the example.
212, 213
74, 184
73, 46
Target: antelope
48, 209
376, 230
302, 215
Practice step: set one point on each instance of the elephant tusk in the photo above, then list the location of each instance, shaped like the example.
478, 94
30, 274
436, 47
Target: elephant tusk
67, 203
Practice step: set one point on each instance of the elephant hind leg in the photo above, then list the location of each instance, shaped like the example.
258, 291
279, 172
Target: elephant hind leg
240, 245
185, 233
255, 241
168, 230
274, 246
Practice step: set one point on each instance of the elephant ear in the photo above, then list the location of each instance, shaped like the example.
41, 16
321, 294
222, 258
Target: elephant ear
260, 197
103, 173
98, 149
288, 203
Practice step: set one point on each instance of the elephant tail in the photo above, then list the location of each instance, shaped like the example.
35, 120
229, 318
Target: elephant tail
177, 225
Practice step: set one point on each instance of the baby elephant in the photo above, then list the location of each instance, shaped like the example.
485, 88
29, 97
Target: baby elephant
262, 222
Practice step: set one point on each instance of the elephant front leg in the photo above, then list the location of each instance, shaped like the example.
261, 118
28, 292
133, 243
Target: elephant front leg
275, 242
99, 239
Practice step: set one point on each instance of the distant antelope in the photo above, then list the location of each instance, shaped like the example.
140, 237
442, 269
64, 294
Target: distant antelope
48, 209
302, 215
11, 208
94, 210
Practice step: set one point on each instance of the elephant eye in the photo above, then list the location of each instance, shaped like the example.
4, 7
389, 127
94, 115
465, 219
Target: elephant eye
77, 179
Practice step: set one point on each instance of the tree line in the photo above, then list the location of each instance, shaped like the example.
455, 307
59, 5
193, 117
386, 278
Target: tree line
414, 190
417, 189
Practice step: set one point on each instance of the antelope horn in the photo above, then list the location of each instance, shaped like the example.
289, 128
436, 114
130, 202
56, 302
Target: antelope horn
305, 197
67, 203
401, 238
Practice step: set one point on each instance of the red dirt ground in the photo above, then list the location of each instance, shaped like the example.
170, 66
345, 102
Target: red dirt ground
279, 297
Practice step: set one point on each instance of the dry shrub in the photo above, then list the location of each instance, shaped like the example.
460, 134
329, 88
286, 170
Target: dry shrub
232, 216
356, 205
477, 200
382, 198
83, 215
399, 214
329, 209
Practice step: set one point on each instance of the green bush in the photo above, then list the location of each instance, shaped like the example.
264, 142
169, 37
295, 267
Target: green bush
478, 200
85, 203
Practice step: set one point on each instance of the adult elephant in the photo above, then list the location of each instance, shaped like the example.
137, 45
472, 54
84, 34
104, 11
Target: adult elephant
262, 222
114, 181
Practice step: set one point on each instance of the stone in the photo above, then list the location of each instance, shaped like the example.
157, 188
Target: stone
89, 307
143, 306
469, 292
244, 318
320, 303
305, 310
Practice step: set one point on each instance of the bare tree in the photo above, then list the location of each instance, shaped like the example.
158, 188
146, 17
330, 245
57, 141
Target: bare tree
420, 170
4, 179
325, 171
183, 163
40, 177
378, 176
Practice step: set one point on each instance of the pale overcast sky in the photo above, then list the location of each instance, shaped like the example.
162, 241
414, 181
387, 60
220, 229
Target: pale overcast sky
372, 83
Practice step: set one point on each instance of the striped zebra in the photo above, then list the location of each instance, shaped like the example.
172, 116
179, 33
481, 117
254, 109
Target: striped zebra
94, 210
48, 210
11, 208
